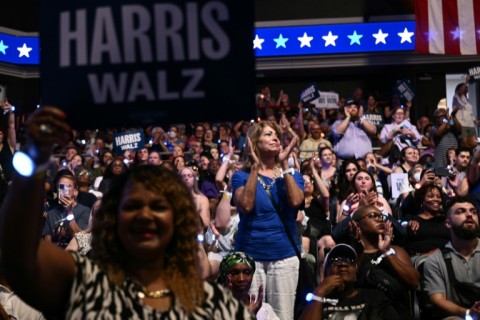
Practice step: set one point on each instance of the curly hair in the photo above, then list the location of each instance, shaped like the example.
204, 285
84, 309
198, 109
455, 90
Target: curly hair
180, 260
421, 193
254, 133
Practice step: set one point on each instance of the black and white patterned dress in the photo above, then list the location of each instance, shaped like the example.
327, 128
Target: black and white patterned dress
94, 297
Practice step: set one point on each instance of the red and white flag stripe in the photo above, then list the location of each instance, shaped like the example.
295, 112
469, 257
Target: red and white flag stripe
447, 26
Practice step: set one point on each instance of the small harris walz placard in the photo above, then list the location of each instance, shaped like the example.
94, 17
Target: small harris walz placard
309, 94
125, 63
128, 140
474, 73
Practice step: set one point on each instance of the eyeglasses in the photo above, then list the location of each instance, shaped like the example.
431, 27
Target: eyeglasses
187, 175
374, 216
341, 260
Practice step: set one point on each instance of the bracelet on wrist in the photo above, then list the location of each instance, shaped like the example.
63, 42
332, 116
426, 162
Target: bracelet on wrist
311, 296
24, 164
383, 256
288, 171
226, 195
467, 315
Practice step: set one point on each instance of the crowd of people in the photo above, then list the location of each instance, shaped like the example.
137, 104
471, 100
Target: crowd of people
212, 220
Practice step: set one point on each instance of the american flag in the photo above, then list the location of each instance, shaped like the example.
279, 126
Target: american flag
448, 26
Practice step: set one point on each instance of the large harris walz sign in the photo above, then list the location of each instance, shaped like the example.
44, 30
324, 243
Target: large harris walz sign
118, 62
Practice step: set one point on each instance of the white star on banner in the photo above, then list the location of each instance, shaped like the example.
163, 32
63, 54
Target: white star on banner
406, 36
457, 33
305, 40
280, 41
380, 37
257, 42
24, 51
330, 39
355, 38
3, 47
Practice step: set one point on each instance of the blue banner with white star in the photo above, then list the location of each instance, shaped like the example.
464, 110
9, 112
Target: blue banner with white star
334, 39
19, 50
278, 41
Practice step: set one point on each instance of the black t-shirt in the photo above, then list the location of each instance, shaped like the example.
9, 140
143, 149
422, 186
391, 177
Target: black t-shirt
368, 304
86, 198
432, 234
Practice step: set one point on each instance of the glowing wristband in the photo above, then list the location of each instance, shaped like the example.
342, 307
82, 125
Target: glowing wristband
311, 296
467, 315
200, 237
384, 255
25, 165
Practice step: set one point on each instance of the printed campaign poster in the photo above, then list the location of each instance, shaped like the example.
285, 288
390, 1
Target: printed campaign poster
309, 94
131, 140
399, 184
326, 100
474, 73
128, 63
404, 89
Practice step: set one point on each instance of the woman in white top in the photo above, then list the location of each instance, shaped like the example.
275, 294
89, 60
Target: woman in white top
401, 132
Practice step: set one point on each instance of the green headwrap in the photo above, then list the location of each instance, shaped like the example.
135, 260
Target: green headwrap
231, 259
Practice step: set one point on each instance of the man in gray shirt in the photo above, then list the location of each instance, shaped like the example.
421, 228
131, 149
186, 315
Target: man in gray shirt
463, 251
352, 134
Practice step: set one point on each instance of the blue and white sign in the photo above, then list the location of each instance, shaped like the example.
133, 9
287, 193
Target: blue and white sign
405, 90
143, 62
474, 73
309, 94
129, 140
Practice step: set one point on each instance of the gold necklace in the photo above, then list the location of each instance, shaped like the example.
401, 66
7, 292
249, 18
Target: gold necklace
157, 294
275, 175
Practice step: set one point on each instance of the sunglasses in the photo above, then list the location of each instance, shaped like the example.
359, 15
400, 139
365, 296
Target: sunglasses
340, 261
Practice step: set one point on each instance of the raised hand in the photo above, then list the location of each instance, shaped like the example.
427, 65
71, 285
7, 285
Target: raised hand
385, 238
413, 226
45, 127
251, 153
284, 153
329, 284
256, 302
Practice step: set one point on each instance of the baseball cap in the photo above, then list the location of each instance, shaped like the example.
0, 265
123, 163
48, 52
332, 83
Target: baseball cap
340, 250
350, 101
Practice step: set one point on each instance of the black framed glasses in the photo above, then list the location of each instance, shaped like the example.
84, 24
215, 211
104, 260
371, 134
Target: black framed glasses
374, 216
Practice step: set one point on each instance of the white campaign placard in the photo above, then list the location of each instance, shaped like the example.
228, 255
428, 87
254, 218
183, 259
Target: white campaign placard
327, 100
399, 184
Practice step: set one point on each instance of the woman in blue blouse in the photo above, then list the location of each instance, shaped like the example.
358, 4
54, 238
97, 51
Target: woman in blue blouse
261, 232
